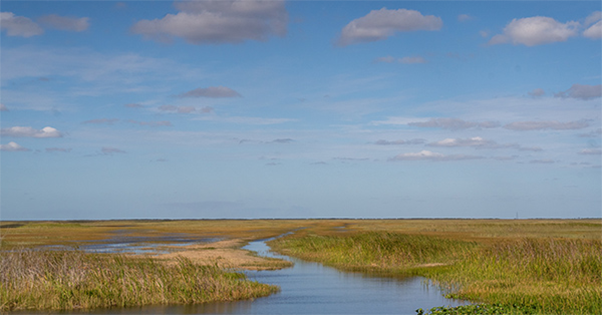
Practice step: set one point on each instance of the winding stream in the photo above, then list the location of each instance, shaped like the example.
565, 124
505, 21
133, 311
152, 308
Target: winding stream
311, 288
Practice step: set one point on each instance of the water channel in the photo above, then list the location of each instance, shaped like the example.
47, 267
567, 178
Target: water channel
311, 288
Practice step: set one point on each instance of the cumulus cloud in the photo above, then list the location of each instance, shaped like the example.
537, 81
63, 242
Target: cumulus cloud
63, 150
12, 146
65, 23
380, 24
162, 123
212, 91
216, 22
432, 156
177, 109
111, 150
546, 125
453, 124
29, 132
582, 91
19, 25
593, 23
537, 93
101, 121
537, 30
3, 108
590, 152
399, 142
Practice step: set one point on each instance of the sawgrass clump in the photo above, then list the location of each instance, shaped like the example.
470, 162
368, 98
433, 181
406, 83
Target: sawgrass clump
60, 280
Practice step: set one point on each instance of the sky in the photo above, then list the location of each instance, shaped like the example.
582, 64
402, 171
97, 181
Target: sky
300, 109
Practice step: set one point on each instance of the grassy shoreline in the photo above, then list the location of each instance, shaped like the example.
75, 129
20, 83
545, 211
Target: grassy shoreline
518, 276
61, 280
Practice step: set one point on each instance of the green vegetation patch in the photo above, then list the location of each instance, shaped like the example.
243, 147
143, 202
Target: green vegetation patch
32, 279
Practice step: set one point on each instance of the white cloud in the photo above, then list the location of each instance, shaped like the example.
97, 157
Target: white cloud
480, 143
594, 31
537, 93
383, 23
432, 156
3, 108
12, 146
582, 91
546, 125
472, 142
19, 25
591, 152
212, 91
537, 30
453, 124
215, 22
28, 132
65, 23
399, 142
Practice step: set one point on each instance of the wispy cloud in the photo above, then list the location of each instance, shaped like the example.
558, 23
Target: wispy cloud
63, 150
212, 91
3, 108
162, 123
547, 125
582, 91
465, 17
404, 60
111, 151
591, 152
65, 23
101, 121
432, 156
177, 109
29, 132
480, 143
399, 142
453, 124
133, 105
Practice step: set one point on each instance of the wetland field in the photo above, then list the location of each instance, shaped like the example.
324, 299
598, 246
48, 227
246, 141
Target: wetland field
490, 266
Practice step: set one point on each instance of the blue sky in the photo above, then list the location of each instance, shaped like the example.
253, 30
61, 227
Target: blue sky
294, 109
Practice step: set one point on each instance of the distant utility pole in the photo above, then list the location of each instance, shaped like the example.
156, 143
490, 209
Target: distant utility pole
517, 216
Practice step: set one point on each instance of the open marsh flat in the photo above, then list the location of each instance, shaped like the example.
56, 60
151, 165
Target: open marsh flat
406, 249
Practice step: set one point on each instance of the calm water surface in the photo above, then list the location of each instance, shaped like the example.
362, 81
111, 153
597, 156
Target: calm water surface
311, 288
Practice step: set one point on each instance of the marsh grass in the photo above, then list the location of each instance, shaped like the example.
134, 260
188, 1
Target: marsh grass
525, 275
377, 251
33, 279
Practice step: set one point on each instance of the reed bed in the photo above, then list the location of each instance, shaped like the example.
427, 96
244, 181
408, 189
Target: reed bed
518, 276
59, 280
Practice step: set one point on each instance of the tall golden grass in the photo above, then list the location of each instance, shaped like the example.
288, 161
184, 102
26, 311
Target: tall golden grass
32, 279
